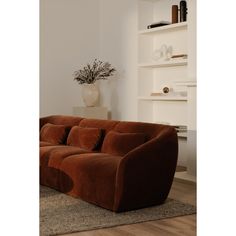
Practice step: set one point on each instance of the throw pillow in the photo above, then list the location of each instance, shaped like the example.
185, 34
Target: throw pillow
54, 134
86, 138
121, 143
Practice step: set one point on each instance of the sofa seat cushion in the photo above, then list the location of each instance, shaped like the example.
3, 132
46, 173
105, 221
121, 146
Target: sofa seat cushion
55, 134
51, 158
49, 154
86, 138
92, 177
43, 144
121, 143
45, 151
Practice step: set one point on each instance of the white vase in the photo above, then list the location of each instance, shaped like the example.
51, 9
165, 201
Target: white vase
90, 94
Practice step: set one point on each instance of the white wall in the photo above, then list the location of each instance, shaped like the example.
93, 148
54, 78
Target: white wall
69, 37
74, 32
118, 45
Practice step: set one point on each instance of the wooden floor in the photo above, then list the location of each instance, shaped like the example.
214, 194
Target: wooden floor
181, 226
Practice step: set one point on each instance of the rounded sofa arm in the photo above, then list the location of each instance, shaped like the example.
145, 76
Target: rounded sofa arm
43, 121
60, 120
145, 174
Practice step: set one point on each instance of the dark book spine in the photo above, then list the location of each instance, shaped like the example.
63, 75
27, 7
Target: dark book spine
183, 11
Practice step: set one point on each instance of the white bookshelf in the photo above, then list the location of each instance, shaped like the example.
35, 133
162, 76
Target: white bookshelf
164, 29
154, 74
178, 74
188, 83
184, 176
170, 63
182, 135
163, 98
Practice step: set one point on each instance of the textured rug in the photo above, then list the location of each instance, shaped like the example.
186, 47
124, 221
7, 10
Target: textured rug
61, 214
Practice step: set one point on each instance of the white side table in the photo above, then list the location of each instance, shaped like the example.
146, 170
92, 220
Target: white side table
91, 112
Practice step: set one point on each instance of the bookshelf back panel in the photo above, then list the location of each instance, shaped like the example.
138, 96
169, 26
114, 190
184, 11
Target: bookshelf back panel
149, 45
175, 39
145, 111
172, 112
146, 44
162, 10
168, 76
145, 81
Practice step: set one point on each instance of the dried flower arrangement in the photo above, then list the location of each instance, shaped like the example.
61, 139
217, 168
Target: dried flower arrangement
91, 73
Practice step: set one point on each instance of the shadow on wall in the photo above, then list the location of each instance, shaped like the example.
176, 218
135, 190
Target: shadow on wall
114, 112
110, 94
118, 45
116, 85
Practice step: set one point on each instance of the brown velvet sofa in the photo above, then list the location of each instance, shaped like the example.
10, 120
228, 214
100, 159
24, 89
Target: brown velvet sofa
117, 165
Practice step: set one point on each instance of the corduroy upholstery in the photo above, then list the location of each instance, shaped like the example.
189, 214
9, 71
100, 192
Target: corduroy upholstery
93, 175
140, 175
117, 143
86, 138
60, 120
54, 134
43, 143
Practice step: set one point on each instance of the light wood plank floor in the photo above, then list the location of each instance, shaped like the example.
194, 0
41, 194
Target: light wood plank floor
178, 226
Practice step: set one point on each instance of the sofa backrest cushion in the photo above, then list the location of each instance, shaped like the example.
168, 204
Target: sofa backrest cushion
116, 143
60, 120
149, 129
54, 134
105, 125
86, 138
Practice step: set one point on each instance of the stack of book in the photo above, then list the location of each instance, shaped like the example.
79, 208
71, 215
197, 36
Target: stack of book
181, 56
158, 24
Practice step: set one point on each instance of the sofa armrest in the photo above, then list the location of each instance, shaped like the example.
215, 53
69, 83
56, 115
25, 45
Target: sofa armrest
145, 174
60, 120
43, 121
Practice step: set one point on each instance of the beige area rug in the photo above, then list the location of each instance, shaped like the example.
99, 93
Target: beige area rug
61, 214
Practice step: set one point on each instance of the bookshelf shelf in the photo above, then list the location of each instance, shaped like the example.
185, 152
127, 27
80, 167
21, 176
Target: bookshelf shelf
171, 63
153, 75
178, 74
163, 98
171, 27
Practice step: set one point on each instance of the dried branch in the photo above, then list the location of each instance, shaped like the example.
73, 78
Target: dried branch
89, 74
